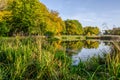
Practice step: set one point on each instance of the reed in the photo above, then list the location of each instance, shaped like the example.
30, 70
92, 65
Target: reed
36, 59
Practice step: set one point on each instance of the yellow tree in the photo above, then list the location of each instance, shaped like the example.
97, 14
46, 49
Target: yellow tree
31, 17
88, 30
4, 17
55, 23
73, 27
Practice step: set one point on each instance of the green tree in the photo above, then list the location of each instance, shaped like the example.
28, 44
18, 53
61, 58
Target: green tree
88, 30
54, 24
4, 27
31, 17
23, 16
91, 44
73, 27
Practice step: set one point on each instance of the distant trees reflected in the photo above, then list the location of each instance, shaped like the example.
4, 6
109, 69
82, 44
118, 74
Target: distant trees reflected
91, 44
73, 46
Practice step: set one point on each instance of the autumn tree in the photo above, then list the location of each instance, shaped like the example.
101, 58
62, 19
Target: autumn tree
91, 44
88, 30
4, 17
54, 24
23, 16
28, 17
73, 27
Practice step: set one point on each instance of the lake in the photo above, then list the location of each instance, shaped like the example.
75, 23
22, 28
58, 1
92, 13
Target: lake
85, 50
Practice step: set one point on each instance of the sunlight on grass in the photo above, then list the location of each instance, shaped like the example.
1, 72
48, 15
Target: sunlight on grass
28, 58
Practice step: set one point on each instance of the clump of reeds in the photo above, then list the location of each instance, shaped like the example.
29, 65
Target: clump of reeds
36, 59
24, 59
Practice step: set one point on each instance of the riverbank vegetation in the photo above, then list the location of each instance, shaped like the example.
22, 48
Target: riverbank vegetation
20, 60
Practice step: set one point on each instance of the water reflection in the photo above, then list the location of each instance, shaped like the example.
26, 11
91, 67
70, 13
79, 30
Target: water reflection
76, 46
87, 53
91, 44
83, 50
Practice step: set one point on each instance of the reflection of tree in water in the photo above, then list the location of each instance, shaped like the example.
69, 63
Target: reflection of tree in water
56, 45
91, 44
72, 47
107, 43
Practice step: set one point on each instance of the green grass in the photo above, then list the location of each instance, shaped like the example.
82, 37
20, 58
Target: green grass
36, 59
70, 37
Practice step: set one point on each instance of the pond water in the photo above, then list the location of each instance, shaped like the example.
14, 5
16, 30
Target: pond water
85, 54
85, 50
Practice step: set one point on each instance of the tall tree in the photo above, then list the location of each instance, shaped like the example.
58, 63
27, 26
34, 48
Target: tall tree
89, 30
73, 27
32, 17
23, 15
4, 18
54, 23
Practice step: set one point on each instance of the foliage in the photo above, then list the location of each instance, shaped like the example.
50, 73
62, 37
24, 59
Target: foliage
4, 17
3, 29
91, 44
23, 16
20, 60
54, 24
31, 18
88, 30
73, 27
114, 31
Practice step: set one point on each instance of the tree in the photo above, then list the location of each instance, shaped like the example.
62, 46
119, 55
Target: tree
73, 27
91, 44
88, 30
30, 18
4, 27
23, 16
54, 23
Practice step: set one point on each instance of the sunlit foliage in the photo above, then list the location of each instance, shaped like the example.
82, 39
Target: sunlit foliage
89, 30
73, 27
30, 18
91, 44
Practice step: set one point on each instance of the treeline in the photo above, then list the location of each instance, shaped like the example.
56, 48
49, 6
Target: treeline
114, 31
25, 17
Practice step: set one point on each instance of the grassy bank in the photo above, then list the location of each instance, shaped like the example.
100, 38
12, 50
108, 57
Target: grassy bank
70, 37
84, 37
36, 59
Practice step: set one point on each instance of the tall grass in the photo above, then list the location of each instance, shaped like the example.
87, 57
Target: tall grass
24, 59
29, 59
113, 63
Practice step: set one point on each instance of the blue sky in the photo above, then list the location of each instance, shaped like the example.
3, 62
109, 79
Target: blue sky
99, 13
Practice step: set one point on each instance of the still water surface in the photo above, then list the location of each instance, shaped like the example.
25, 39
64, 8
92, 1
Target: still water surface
85, 54
85, 50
